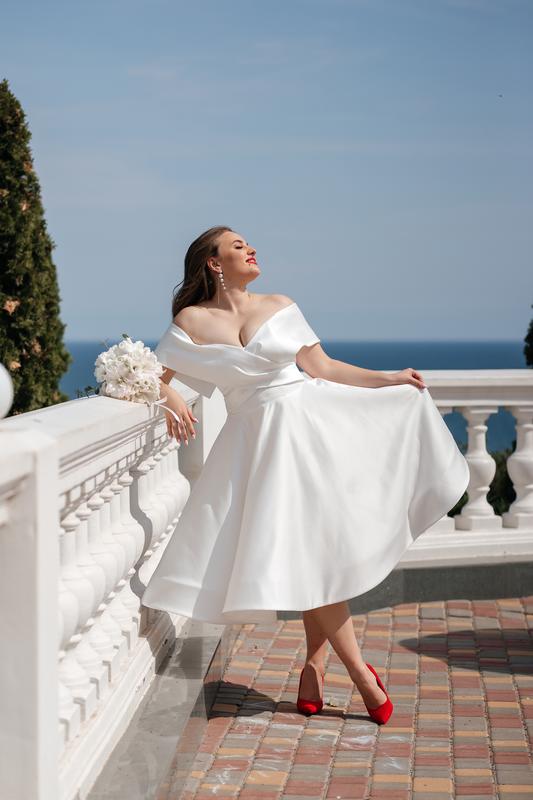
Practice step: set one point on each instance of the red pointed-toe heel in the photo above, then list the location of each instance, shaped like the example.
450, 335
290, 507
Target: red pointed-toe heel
309, 706
381, 713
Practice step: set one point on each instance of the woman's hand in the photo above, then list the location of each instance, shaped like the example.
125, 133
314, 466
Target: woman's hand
184, 428
408, 375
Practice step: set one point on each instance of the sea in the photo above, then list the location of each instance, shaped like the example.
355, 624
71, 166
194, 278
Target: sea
380, 355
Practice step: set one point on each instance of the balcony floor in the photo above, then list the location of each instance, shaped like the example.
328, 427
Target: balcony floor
460, 675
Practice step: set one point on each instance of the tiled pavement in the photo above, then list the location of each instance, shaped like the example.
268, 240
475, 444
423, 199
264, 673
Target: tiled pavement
460, 675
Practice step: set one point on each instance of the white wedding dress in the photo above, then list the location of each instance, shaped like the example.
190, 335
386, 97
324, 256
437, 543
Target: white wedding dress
312, 490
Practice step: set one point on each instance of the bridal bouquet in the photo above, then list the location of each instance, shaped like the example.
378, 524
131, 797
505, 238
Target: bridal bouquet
130, 371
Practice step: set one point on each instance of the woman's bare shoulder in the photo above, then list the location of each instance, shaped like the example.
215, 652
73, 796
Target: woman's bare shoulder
279, 299
189, 315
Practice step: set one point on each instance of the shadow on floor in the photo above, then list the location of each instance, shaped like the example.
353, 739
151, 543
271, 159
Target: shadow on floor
485, 650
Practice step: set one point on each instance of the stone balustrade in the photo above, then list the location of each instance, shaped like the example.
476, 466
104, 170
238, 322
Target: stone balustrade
90, 492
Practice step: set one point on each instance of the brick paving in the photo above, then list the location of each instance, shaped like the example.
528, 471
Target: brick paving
460, 675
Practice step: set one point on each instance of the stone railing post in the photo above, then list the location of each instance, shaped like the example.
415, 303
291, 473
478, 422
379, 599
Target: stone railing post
29, 630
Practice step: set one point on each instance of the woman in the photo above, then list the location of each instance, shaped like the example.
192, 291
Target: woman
317, 482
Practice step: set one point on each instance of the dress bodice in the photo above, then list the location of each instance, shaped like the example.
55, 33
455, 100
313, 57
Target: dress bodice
268, 359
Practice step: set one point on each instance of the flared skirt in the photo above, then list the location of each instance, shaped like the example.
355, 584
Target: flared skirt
311, 494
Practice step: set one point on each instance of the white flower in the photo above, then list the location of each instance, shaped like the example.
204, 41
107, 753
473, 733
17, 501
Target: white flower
129, 371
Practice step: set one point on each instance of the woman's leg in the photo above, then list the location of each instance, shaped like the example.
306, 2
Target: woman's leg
317, 648
336, 623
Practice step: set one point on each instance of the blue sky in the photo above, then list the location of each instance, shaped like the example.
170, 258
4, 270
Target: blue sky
377, 153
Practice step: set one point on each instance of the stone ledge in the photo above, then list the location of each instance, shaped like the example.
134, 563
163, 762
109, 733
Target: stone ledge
182, 692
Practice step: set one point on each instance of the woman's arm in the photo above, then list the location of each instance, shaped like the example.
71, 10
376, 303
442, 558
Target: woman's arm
176, 402
318, 364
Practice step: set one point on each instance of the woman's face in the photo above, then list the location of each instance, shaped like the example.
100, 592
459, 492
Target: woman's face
236, 257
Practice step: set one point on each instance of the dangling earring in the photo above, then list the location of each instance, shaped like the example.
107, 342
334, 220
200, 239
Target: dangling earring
220, 283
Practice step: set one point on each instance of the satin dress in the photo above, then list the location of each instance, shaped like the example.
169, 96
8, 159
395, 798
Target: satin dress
312, 490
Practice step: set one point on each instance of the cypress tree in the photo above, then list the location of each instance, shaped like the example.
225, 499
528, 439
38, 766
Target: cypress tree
31, 332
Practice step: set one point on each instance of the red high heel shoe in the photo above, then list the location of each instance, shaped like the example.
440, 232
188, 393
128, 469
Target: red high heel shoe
381, 713
309, 706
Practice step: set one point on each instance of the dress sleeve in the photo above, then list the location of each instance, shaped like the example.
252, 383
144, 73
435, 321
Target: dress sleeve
172, 353
300, 331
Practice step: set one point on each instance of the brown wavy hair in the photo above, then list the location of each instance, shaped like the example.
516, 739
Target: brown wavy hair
198, 282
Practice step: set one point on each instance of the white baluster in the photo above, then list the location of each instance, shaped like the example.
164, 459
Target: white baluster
162, 493
62, 726
115, 613
71, 574
105, 634
520, 469
477, 513
169, 482
141, 507
172, 471
126, 517
69, 711
72, 673
131, 524
156, 501
129, 603
88, 655
177, 484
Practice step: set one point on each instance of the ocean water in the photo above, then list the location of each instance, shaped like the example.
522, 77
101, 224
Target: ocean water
373, 355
